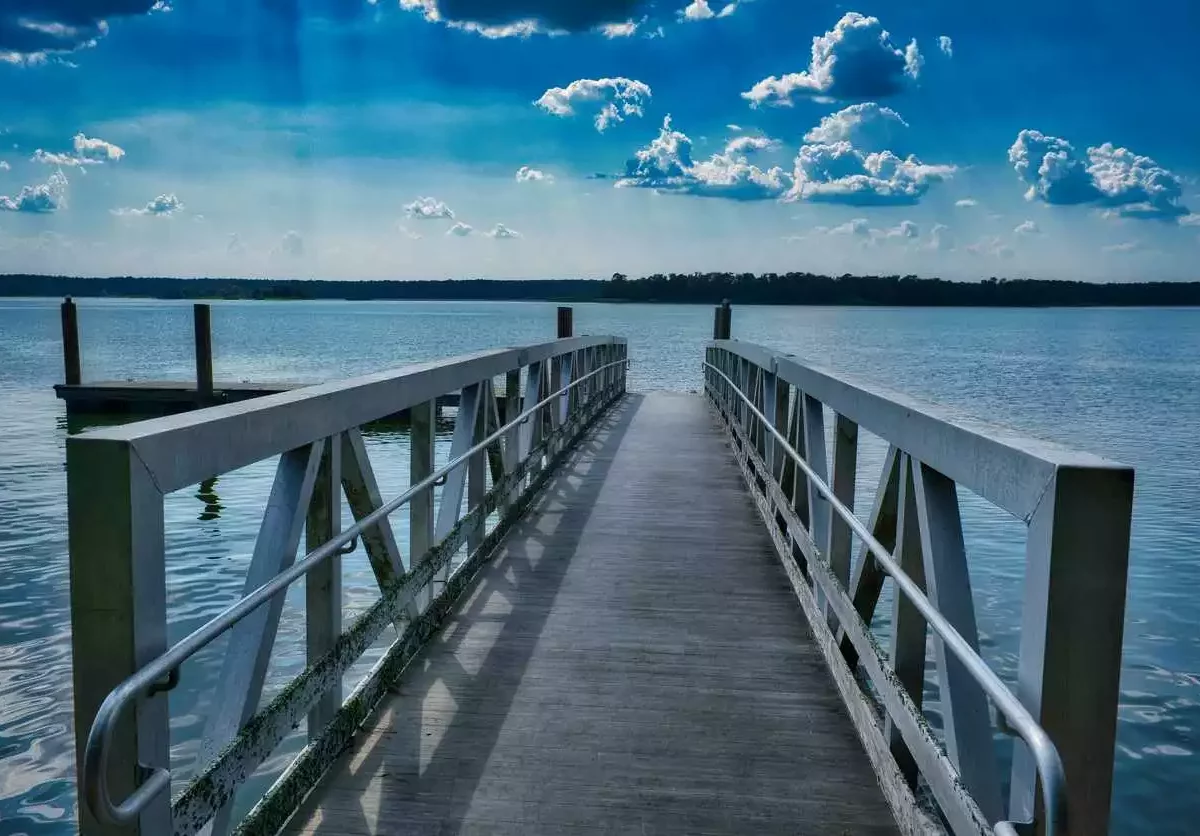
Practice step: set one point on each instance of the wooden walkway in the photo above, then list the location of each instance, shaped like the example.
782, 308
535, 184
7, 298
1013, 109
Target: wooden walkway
632, 661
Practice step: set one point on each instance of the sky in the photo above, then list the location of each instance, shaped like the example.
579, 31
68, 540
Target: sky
394, 139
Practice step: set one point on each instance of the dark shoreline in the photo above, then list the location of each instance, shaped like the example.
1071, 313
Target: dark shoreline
692, 288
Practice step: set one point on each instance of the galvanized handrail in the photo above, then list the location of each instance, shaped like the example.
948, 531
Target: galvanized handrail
1018, 718
95, 772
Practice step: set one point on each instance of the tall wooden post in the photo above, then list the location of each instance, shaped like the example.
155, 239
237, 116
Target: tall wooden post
722, 320
565, 322
203, 327
70, 336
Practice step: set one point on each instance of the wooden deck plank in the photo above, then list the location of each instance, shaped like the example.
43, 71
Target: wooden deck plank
632, 660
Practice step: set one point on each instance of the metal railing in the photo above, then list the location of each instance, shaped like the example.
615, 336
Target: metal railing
588, 375
774, 408
1019, 719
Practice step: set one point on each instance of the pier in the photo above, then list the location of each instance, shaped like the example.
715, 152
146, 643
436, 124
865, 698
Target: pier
616, 611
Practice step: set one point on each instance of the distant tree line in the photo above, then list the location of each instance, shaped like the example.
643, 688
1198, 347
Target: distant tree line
699, 288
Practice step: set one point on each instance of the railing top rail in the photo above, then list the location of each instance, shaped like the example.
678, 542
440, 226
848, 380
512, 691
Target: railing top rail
1009, 469
181, 450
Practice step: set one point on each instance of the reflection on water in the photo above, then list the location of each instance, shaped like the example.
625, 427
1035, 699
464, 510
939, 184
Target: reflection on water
1121, 383
212, 503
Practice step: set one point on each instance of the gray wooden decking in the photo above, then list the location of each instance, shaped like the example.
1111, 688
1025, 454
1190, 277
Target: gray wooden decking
632, 661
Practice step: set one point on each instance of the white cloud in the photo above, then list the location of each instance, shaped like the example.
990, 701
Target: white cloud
164, 205
992, 247
861, 228
946, 45
41, 199
620, 97
96, 150
408, 233
1126, 247
522, 18
701, 10
292, 243
866, 126
4, 166
858, 227
525, 174
1189, 220
460, 229
666, 165
500, 231
751, 144
621, 30
1027, 228
840, 173
88, 151
905, 230
1136, 186
428, 209
966, 203
855, 60
941, 238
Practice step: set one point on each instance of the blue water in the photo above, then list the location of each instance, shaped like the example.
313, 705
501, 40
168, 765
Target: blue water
1121, 383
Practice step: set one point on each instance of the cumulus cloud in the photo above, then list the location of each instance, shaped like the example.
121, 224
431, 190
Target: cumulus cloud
500, 231
966, 203
87, 151
525, 174
701, 10
40, 199
292, 243
32, 29
460, 229
521, 18
666, 165
946, 45
1027, 228
164, 205
4, 166
840, 173
905, 229
1190, 220
751, 144
619, 97
428, 209
860, 228
855, 60
864, 125
1135, 186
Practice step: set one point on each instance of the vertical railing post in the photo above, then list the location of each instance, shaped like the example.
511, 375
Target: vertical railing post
1073, 616
323, 585
202, 325
72, 369
422, 420
512, 408
118, 615
477, 467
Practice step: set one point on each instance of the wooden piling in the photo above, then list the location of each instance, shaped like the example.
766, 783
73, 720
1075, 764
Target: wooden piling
722, 320
202, 319
565, 322
72, 374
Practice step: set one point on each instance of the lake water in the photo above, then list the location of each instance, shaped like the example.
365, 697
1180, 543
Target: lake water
1121, 383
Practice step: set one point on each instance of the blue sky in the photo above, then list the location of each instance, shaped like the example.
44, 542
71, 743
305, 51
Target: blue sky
538, 138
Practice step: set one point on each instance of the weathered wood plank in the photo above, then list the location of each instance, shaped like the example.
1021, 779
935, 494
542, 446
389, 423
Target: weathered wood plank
633, 660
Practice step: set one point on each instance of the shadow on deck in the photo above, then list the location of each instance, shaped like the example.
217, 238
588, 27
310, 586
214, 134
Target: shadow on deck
632, 660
